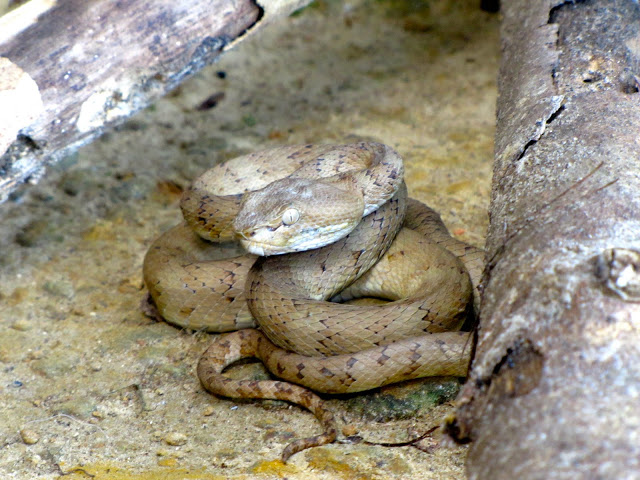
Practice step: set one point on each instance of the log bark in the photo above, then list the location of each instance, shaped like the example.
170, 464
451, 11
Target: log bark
78, 67
554, 391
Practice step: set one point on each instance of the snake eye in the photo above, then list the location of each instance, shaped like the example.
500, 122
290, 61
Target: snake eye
290, 216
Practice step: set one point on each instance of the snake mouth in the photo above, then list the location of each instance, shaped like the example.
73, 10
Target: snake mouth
261, 249
255, 249
250, 241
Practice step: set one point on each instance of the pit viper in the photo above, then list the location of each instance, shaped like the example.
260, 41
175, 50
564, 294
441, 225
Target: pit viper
320, 227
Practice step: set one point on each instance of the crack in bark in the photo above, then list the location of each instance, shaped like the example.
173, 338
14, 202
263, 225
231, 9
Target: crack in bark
548, 121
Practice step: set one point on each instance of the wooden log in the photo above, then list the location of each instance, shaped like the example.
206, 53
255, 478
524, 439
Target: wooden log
71, 68
554, 391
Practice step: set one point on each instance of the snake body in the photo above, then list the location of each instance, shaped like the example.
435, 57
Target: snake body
375, 251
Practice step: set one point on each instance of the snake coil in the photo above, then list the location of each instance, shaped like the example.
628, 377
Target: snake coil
296, 312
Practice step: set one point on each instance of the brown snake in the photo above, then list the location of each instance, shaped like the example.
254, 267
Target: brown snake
384, 246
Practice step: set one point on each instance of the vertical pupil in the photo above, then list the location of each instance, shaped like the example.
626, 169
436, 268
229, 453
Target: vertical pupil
290, 216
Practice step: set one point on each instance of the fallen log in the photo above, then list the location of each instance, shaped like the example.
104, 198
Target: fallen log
72, 68
554, 391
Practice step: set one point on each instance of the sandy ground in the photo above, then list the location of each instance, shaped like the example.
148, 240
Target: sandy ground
91, 388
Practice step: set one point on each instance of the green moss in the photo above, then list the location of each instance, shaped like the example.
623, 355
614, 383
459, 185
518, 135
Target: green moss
402, 8
249, 120
404, 400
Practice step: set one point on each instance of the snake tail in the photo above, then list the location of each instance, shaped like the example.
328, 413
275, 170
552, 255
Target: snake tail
250, 343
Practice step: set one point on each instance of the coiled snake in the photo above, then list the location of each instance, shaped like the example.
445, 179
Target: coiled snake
349, 205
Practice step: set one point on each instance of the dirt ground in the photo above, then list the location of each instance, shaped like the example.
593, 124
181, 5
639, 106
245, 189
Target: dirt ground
92, 388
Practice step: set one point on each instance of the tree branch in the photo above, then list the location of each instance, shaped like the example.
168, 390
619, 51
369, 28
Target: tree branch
78, 67
554, 391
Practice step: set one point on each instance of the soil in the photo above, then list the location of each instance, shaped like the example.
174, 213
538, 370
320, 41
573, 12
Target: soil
93, 388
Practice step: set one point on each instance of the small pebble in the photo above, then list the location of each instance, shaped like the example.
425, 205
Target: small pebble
208, 411
175, 439
32, 233
18, 295
349, 430
168, 462
29, 436
36, 354
21, 325
59, 288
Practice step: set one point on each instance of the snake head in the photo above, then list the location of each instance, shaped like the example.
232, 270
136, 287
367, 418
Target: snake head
296, 214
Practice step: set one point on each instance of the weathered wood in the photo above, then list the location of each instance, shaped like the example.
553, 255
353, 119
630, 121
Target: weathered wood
97, 62
554, 391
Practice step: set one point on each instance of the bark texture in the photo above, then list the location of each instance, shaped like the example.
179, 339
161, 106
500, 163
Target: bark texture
554, 391
82, 66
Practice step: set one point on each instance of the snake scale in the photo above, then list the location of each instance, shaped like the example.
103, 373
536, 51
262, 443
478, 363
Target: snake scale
325, 225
